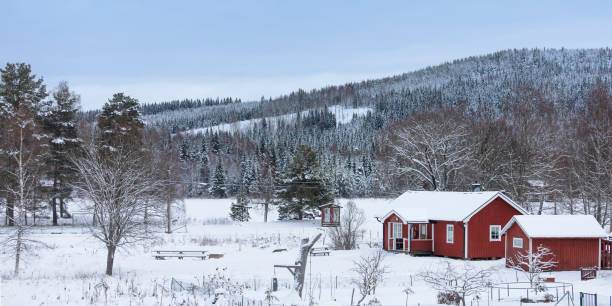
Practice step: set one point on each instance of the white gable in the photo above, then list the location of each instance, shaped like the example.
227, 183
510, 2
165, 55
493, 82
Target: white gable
558, 226
421, 206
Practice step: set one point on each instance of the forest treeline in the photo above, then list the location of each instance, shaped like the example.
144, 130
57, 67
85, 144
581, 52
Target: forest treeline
534, 123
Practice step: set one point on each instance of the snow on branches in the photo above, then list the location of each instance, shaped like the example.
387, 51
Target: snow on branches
533, 263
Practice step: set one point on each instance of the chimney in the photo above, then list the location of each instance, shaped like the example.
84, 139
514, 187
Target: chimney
476, 187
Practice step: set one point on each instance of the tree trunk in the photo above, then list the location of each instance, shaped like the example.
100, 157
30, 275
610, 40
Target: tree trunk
63, 213
266, 207
300, 272
10, 210
19, 240
54, 208
110, 258
169, 202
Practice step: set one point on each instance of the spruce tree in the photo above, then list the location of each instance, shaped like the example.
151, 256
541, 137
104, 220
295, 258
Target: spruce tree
217, 189
305, 187
120, 124
62, 128
215, 144
240, 208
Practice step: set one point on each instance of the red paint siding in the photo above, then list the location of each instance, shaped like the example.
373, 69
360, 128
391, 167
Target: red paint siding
441, 247
571, 254
515, 232
498, 212
393, 219
420, 245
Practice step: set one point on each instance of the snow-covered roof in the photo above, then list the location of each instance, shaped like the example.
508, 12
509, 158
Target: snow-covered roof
421, 206
558, 226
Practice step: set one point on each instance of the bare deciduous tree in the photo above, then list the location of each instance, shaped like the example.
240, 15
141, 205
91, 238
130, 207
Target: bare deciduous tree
533, 264
462, 282
25, 174
118, 186
433, 150
370, 271
344, 237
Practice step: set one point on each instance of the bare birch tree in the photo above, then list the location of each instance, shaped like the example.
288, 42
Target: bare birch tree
25, 174
118, 186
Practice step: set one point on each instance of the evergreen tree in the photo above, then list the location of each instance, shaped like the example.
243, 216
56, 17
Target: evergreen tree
215, 145
240, 208
305, 187
120, 123
218, 184
22, 111
61, 125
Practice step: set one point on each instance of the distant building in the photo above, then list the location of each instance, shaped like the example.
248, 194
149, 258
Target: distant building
330, 215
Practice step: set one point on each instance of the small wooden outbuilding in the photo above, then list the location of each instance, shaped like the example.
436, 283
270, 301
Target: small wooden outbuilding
575, 240
452, 224
330, 215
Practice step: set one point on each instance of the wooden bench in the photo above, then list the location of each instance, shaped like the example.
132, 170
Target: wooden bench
320, 251
163, 254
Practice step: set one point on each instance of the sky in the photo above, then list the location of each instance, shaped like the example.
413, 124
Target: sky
163, 50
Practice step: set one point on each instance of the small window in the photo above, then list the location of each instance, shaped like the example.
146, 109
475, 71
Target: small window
336, 214
327, 214
517, 243
450, 233
397, 230
423, 231
495, 233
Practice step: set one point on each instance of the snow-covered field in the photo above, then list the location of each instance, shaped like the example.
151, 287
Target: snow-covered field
70, 271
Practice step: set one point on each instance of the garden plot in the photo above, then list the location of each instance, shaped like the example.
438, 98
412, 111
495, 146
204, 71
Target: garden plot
70, 270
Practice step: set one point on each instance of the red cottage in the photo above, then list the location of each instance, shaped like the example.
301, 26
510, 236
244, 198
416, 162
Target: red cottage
330, 215
575, 240
452, 224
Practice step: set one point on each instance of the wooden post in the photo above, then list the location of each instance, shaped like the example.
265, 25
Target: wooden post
168, 207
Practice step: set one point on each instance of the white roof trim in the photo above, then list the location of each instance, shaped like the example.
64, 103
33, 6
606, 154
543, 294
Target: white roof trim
509, 225
393, 212
495, 196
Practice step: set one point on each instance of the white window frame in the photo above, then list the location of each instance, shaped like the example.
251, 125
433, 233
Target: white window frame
421, 231
450, 238
514, 242
491, 227
397, 225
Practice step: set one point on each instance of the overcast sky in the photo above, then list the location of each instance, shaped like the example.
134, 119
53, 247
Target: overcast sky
162, 50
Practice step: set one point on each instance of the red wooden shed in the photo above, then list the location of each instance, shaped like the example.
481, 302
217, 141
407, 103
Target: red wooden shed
575, 240
330, 215
452, 224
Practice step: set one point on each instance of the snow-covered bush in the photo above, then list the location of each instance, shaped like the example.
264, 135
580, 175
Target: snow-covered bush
458, 282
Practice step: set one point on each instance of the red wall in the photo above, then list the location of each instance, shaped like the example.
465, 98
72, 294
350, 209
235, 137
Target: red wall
498, 212
442, 248
420, 245
515, 232
571, 254
394, 219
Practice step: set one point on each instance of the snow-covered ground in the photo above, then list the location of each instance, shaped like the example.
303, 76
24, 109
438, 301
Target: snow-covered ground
343, 115
70, 271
